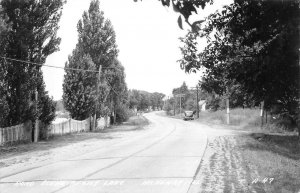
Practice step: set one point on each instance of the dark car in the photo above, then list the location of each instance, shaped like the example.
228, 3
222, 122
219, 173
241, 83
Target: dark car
188, 115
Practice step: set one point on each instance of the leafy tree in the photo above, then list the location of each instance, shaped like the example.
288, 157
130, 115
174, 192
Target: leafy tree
79, 86
169, 106
97, 39
142, 100
4, 108
97, 36
31, 37
183, 89
118, 96
96, 46
156, 99
186, 9
134, 98
252, 48
122, 113
144, 103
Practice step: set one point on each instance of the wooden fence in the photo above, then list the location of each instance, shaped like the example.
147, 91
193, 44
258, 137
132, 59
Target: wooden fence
23, 132
69, 126
15, 133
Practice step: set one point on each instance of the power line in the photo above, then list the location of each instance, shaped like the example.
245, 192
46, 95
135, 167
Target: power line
38, 64
51, 66
111, 87
64, 68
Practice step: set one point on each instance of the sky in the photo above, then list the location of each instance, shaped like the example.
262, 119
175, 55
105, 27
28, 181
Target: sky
147, 35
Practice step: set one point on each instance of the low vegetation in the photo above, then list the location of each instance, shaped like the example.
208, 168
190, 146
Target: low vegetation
250, 119
250, 164
268, 154
274, 157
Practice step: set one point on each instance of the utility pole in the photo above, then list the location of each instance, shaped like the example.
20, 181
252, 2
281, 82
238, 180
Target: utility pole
228, 112
36, 126
197, 101
180, 106
97, 96
174, 104
180, 96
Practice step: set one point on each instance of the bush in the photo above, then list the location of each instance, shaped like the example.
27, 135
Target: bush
168, 109
122, 113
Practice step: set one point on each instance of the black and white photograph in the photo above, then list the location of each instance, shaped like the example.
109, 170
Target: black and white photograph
149, 96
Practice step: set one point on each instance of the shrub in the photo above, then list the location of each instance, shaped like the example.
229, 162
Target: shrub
122, 113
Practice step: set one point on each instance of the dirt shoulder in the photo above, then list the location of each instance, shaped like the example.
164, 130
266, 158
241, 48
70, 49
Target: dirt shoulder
251, 163
60, 147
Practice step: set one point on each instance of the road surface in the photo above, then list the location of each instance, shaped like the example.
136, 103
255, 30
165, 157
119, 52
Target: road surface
164, 158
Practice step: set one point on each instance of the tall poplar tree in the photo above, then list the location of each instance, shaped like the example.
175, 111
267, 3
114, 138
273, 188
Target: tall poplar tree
31, 37
97, 41
79, 86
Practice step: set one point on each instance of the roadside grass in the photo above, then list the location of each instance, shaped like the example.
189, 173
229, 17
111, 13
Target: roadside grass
274, 161
247, 119
134, 123
271, 153
238, 116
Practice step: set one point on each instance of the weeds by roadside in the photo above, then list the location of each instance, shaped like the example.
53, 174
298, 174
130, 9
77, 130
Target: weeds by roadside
264, 160
243, 163
247, 119
275, 157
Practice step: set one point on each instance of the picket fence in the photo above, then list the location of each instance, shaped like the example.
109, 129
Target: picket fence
23, 132
69, 126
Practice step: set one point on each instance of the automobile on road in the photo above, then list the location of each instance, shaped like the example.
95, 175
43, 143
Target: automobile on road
188, 115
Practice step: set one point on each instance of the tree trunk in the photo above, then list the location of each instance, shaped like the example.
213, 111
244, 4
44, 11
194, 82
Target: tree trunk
298, 126
115, 115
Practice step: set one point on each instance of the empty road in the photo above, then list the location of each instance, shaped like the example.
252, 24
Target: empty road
163, 158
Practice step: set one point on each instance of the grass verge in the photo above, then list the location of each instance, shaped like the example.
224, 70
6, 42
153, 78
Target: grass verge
245, 163
268, 158
275, 162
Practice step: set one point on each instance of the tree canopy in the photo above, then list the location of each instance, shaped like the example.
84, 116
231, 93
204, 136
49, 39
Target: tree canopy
29, 29
143, 100
96, 47
253, 49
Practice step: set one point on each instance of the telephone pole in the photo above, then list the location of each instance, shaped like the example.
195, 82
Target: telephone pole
97, 97
197, 99
180, 96
36, 126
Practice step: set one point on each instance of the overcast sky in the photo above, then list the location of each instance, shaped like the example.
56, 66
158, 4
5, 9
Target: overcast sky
147, 38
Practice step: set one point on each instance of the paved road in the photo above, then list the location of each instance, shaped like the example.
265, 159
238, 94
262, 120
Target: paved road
164, 158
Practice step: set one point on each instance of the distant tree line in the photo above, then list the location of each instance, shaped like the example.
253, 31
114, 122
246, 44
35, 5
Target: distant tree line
142, 100
187, 101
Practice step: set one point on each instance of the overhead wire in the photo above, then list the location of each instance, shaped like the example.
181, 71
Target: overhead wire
51, 66
64, 68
